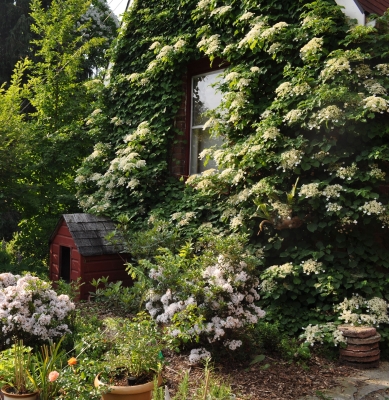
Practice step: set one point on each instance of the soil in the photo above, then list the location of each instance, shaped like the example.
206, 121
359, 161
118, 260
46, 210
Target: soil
281, 380
272, 378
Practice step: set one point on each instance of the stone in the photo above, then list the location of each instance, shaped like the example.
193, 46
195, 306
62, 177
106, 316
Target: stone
362, 347
360, 332
359, 354
373, 339
360, 359
362, 365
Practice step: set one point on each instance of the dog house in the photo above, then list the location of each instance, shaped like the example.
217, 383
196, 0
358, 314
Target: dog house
79, 249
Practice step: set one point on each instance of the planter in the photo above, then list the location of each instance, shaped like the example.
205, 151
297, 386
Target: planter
10, 396
137, 392
362, 349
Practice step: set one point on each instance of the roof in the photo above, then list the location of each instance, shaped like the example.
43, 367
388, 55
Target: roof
89, 233
374, 6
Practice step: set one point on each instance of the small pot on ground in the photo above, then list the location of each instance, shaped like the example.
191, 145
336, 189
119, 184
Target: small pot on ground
136, 392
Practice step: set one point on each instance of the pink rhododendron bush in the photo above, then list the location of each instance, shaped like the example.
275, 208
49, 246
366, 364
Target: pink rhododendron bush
31, 310
206, 293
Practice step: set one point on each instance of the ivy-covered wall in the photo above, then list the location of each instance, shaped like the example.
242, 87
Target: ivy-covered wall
304, 117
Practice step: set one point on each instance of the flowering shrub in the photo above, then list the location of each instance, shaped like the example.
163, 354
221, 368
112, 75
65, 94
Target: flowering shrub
356, 311
31, 310
211, 296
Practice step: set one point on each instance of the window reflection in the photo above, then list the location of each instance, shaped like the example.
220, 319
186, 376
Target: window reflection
204, 98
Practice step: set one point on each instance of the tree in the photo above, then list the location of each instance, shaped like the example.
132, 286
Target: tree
60, 98
13, 150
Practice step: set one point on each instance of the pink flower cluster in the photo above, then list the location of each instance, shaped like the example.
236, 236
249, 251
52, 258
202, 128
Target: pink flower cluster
28, 305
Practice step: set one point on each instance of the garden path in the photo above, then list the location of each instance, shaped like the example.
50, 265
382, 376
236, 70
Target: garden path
370, 384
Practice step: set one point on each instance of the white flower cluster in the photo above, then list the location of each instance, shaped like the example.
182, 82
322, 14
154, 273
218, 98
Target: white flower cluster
375, 104
291, 159
373, 207
211, 44
221, 10
321, 333
335, 66
333, 207
309, 190
359, 311
232, 344
228, 291
373, 87
332, 191
246, 16
362, 71
330, 113
383, 69
284, 89
280, 271
283, 210
293, 116
183, 218
347, 172
313, 47
276, 46
232, 76
376, 172
271, 134
268, 285
270, 32
28, 306
253, 34
197, 355
312, 266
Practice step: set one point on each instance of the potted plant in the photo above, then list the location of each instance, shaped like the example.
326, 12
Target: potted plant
133, 360
14, 371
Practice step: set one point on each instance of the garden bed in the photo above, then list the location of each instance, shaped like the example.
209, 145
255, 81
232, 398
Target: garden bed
281, 380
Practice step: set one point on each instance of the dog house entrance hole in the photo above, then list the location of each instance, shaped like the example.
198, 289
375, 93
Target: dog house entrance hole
65, 263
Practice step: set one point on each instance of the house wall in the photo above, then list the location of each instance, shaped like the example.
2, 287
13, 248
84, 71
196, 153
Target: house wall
95, 267
87, 268
64, 238
352, 10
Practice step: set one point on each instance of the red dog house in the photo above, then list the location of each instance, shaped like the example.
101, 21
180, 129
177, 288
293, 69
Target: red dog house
78, 249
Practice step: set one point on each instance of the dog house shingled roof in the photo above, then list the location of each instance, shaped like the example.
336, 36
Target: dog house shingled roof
89, 233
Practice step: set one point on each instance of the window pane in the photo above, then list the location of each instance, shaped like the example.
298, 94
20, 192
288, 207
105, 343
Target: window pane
201, 140
204, 97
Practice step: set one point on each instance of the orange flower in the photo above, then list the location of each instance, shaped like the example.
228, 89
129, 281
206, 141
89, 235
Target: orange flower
72, 361
53, 376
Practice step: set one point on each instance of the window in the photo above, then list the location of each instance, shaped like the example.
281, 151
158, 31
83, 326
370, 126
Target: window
204, 97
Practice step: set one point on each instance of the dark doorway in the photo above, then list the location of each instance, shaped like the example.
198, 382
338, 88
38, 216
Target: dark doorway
64, 263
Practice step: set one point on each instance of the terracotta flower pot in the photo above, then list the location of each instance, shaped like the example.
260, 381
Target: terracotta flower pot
137, 392
10, 396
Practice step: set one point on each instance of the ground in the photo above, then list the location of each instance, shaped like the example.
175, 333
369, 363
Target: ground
280, 381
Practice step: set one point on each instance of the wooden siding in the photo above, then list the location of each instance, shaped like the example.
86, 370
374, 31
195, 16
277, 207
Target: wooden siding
374, 6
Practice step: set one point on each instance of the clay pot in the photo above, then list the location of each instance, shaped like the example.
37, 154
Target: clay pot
10, 396
137, 392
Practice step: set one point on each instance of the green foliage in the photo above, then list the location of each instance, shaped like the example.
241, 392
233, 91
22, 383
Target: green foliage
115, 295
304, 120
272, 340
135, 347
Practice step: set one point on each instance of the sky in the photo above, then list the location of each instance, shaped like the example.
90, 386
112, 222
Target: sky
117, 6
